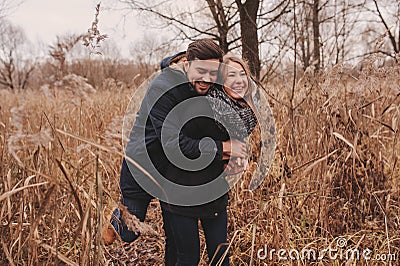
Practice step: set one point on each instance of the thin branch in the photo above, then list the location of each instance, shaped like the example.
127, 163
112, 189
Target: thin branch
391, 37
172, 19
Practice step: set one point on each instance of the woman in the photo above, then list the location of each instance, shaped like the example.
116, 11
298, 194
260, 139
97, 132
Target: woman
231, 106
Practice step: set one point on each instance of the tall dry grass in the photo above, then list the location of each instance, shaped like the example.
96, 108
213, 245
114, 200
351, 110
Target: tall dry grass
335, 174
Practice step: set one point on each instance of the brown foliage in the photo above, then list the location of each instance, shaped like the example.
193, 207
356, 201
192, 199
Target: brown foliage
340, 181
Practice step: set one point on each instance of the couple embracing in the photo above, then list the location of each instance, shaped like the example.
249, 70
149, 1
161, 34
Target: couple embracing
187, 137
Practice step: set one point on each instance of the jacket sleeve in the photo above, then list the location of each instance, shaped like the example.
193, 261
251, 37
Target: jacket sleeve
167, 124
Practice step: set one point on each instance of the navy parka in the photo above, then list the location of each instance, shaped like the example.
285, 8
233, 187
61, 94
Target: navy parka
165, 92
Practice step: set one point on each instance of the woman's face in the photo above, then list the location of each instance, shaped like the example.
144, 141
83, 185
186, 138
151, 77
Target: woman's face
236, 83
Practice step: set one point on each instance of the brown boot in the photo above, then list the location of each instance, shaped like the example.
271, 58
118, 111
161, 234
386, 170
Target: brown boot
108, 233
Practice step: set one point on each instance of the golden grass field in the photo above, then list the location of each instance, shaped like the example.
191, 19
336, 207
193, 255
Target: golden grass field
335, 174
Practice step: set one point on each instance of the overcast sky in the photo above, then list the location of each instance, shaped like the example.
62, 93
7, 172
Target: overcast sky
43, 20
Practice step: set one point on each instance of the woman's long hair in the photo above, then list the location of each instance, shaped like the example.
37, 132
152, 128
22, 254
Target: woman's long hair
229, 57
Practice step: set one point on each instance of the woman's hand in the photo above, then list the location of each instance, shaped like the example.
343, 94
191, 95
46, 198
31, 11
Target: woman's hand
236, 165
234, 148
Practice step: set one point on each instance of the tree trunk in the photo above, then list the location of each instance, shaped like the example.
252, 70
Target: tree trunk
248, 27
217, 10
316, 35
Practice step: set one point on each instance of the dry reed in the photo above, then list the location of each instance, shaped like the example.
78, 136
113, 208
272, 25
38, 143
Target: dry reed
336, 177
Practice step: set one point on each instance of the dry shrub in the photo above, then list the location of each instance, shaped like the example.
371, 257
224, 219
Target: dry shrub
336, 176
335, 173
53, 185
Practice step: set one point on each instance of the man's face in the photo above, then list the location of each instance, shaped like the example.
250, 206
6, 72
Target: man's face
202, 73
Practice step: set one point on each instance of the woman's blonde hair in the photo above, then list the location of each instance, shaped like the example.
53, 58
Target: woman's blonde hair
230, 57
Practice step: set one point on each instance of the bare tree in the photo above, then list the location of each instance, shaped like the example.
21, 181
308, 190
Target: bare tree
308, 32
7, 6
149, 52
316, 33
342, 31
15, 70
390, 20
210, 18
234, 24
273, 41
249, 34
224, 20
327, 31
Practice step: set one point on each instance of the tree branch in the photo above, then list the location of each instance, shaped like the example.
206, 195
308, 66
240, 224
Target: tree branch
391, 37
172, 19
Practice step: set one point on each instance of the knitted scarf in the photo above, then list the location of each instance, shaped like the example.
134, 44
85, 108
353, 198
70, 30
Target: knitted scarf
236, 117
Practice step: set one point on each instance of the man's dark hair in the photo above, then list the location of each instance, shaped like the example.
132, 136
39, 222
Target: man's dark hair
204, 49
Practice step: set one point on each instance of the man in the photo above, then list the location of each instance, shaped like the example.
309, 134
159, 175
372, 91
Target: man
147, 147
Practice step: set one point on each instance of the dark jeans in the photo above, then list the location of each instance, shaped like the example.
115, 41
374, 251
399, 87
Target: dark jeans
138, 207
185, 232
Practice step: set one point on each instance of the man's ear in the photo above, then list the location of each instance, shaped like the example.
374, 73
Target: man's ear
186, 65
